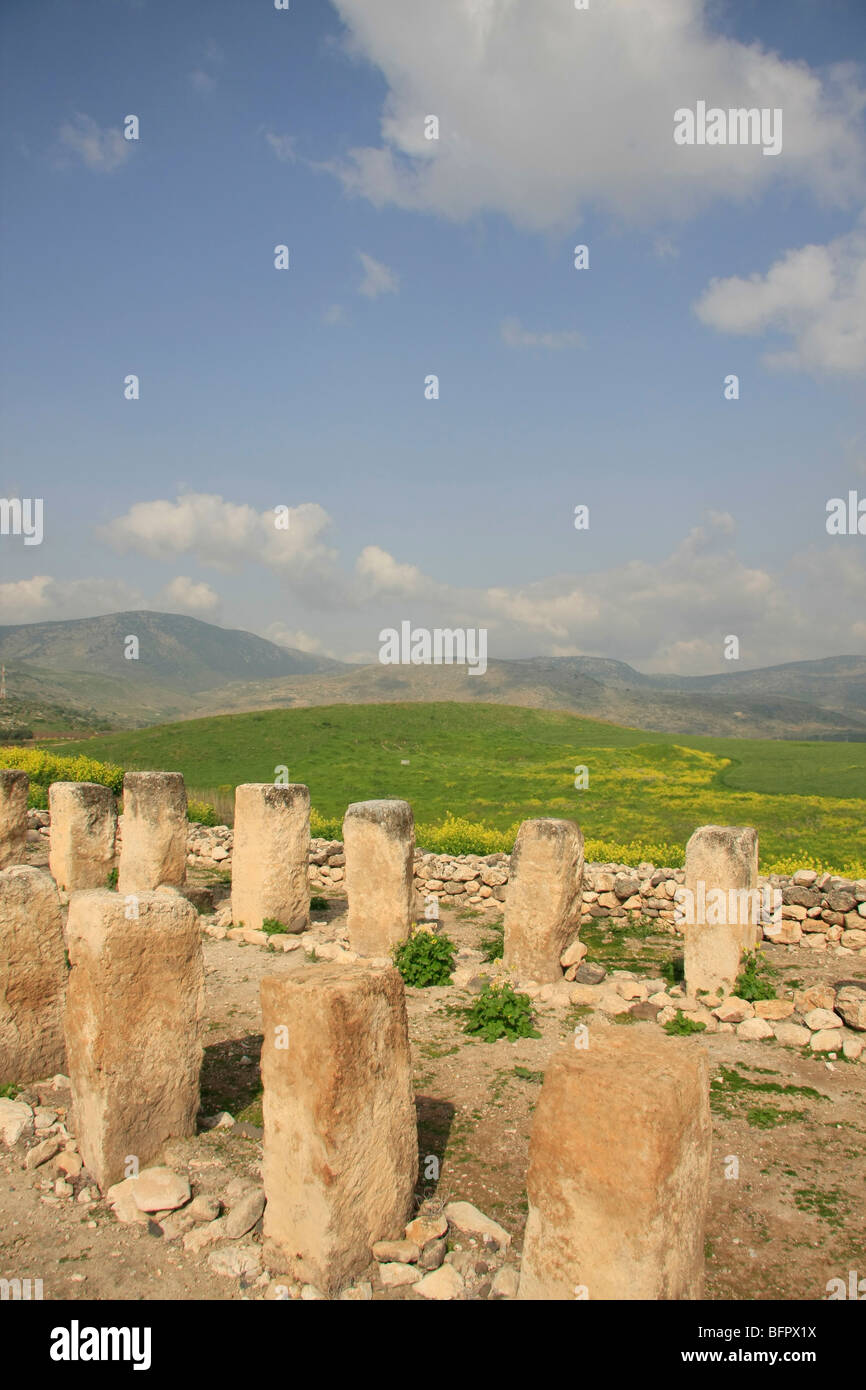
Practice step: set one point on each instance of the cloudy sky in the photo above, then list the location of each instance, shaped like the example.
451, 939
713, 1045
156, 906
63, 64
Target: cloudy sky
304, 388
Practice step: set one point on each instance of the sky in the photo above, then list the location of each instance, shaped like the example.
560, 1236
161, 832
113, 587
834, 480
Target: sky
303, 388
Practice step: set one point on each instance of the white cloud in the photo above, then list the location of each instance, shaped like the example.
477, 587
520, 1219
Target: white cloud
183, 595
203, 77
380, 573
283, 146
546, 111
43, 598
816, 296
515, 335
378, 279
335, 313
102, 149
296, 638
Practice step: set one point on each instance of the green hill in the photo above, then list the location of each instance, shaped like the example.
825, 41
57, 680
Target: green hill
498, 765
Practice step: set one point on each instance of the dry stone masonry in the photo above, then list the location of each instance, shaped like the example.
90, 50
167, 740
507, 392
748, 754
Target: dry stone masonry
271, 847
340, 1141
543, 906
619, 1172
379, 840
133, 1009
721, 877
14, 787
154, 843
32, 975
83, 833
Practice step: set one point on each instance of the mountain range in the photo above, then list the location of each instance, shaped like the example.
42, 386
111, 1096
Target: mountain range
75, 675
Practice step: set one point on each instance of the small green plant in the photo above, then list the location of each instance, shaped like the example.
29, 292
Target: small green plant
202, 813
272, 927
500, 1013
753, 981
524, 1074
427, 958
111, 879
674, 970
769, 1117
9, 1091
681, 1026
493, 946
318, 904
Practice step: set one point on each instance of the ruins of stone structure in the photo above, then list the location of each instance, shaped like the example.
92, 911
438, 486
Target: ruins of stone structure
153, 844
32, 976
379, 842
271, 849
619, 1171
14, 788
83, 831
340, 1141
133, 1009
722, 876
543, 904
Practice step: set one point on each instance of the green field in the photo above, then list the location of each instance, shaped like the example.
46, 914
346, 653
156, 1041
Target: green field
499, 764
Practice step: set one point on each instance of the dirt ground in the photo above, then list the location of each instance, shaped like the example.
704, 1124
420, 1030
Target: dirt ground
793, 1219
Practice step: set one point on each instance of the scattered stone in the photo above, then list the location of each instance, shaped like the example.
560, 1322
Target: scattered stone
754, 1029
825, 1040
204, 1208
505, 1282
443, 1284
590, 974
791, 1034
433, 1255
467, 1219
818, 1020
41, 1153
244, 1214
16, 1121
775, 1009
357, 1293
236, 1262
159, 1189
426, 1227
734, 1010
851, 1005
396, 1251
394, 1275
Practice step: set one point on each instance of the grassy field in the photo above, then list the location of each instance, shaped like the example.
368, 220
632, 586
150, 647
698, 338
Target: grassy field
498, 765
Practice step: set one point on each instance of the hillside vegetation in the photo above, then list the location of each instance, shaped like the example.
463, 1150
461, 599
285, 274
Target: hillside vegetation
496, 765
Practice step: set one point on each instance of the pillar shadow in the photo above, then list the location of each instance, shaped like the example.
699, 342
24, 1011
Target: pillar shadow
435, 1118
227, 1083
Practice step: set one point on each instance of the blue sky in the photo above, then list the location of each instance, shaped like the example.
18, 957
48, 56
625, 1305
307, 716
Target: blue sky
305, 387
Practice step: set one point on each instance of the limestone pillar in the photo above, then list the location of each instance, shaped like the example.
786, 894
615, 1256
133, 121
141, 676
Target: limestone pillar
619, 1171
270, 855
543, 900
14, 787
722, 905
153, 842
133, 1025
340, 1141
32, 976
83, 830
379, 845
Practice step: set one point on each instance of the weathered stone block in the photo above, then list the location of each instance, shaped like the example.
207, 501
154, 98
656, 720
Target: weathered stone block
269, 859
14, 788
133, 1033
619, 1170
379, 845
543, 903
340, 1141
32, 976
722, 903
83, 830
155, 829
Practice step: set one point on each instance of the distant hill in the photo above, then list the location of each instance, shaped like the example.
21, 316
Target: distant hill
188, 668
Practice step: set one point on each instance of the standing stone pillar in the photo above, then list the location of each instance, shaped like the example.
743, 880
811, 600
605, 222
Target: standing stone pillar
153, 843
32, 976
379, 845
722, 901
133, 1033
14, 787
270, 855
544, 897
340, 1140
83, 830
619, 1172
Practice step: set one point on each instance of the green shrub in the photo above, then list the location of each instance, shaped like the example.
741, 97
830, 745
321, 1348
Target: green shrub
37, 797
674, 970
111, 879
202, 813
681, 1026
427, 958
494, 946
274, 928
500, 1013
753, 981
318, 904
